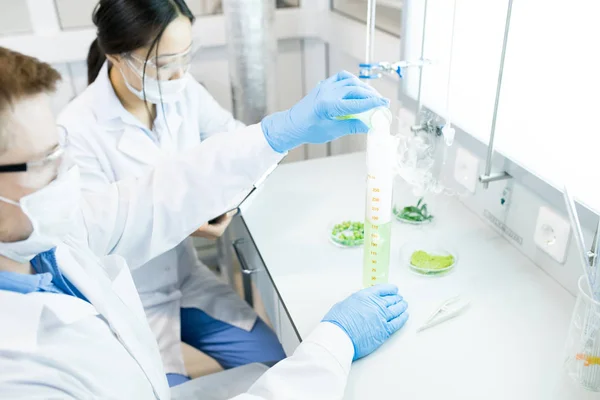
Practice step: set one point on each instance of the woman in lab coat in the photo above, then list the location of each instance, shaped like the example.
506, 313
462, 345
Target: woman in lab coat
125, 129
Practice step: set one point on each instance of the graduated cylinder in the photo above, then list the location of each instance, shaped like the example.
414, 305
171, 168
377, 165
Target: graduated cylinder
378, 215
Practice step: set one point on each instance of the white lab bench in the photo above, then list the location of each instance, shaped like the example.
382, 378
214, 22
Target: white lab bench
507, 345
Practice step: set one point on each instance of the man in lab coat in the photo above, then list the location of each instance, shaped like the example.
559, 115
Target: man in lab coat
72, 324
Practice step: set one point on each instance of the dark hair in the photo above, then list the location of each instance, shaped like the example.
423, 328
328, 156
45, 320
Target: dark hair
127, 25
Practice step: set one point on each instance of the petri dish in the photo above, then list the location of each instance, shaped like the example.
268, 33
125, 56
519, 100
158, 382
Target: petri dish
429, 257
342, 233
400, 216
410, 208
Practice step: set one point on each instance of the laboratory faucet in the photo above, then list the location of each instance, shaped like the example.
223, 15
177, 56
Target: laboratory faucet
428, 123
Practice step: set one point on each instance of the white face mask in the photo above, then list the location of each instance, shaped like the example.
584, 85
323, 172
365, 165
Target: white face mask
52, 211
156, 91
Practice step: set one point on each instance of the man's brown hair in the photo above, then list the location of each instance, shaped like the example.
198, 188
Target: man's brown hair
22, 76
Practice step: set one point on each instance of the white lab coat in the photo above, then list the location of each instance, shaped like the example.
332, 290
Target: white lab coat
109, 145
57, 346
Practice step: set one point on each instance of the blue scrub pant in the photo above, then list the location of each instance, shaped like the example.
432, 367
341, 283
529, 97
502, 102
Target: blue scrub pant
230, 346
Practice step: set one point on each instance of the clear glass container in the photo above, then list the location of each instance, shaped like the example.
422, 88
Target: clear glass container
582, 351
378, 196
411, 207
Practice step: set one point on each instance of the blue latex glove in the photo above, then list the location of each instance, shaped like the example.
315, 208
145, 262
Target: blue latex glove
313, 119
369, 317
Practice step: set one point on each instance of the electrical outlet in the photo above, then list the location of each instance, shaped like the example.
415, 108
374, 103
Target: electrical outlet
552, 234
466, 169
506, 196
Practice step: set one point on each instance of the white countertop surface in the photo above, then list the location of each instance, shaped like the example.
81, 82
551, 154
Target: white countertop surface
507, 345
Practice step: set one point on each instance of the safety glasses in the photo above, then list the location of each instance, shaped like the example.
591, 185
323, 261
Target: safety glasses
53, 159
162, 67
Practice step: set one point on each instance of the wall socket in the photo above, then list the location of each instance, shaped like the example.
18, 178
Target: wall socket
552, 233
466, 169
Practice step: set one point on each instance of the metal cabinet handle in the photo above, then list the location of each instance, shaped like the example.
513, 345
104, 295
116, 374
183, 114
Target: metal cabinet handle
240, 255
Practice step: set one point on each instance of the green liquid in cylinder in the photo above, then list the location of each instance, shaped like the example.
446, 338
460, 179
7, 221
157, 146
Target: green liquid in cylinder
378, 212
376, 258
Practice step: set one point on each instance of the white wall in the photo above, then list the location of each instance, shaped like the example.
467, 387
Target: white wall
14, 17
315, 70
388, 12
478, 34
75, 13
549, 96
549, 84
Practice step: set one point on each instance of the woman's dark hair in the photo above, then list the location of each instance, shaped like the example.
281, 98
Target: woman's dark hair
127, 25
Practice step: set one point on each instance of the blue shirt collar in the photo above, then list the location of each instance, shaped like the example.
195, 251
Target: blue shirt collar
48, 278
23, 283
